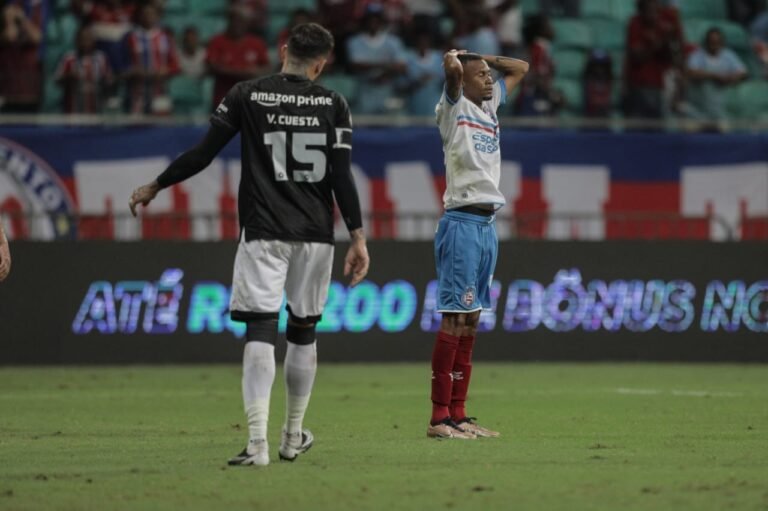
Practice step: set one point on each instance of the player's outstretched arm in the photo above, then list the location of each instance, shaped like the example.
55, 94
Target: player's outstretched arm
185, 166
454, 74
5, 255
513, 69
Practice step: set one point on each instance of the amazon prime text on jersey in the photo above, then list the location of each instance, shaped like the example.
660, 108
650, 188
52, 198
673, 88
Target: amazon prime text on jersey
277, 99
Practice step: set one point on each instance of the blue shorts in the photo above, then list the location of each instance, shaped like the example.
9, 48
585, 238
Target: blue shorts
466, 248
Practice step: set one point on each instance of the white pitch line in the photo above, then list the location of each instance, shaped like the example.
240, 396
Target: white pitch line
675, 392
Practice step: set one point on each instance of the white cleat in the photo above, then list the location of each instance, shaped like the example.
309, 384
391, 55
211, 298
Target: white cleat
255, 453
294, 444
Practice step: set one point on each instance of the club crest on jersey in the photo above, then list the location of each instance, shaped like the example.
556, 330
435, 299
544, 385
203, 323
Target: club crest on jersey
468, 298
29, 187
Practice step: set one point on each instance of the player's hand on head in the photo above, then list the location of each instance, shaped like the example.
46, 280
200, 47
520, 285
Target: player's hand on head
143, 195
357, 260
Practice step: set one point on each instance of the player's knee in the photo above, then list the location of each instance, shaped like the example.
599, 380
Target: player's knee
262, 330
472, 319
300, 330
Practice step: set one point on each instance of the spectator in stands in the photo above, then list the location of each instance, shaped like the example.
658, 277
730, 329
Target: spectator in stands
235, 55
21, 38
711, 70
759, 31
298, 17
150, 61
378, 59
85, 75
425, 16
538, 96
745, 11
256, 14
559, 8
111, 20
396, 12
598, 84
508, 16
341, 18
475, 33
425, 75
192, 54
654, 49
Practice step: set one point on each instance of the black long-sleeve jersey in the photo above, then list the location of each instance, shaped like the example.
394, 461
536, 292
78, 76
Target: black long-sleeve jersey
296, 142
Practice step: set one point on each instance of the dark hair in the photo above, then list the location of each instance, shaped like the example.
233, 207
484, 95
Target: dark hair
309, 41
713, 30
534, 26
468, 57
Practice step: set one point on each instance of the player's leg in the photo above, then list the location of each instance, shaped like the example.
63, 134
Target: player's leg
462, 370
441, 425
462, 367
257, 284
306, 287
456, 258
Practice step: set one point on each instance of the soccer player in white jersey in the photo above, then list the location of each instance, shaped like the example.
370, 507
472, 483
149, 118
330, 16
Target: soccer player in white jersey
465, 243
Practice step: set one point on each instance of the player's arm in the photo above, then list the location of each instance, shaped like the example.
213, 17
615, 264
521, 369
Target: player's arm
357, 260
513, 70
186, 165
454, 74
5, 255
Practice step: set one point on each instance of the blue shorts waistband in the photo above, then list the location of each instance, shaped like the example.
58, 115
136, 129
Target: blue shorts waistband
469, 217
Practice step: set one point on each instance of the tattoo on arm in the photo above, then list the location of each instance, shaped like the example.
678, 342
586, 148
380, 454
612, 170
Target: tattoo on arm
357, 234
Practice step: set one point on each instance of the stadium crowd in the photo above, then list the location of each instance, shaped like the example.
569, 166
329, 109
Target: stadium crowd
699, 59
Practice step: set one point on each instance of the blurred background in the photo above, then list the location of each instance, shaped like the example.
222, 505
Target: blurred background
634, 163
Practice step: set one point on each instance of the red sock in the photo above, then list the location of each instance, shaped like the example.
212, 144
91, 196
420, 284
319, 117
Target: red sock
443, 356
462, 371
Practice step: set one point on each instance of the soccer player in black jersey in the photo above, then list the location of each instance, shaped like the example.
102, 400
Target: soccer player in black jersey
296, 157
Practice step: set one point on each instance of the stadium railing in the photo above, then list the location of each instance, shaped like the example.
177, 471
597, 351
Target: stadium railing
612, 124
387, 226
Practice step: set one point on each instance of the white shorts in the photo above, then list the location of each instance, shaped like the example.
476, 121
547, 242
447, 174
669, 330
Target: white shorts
264, 268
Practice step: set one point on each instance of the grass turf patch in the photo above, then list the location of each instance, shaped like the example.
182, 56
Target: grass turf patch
580, 436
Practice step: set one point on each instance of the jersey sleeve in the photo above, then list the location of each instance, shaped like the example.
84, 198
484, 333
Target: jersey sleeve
227, 114
445, 104
343, 125
499, 94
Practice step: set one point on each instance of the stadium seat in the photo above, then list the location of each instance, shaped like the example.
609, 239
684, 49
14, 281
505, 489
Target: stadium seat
287, 6
175, 7
735, 35
573, 92
607, 34
572, 33
187, 94
714, 9
569, 63
277, 22
67, 27
618, 10
206, 6
753, 99
52, 96
343, 84
617, 62
530, 7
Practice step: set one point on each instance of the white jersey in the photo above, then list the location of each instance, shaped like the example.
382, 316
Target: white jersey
471, 146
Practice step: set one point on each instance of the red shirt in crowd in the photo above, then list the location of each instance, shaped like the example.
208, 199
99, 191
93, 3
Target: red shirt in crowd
151, 51
236, 54
83, 78
659, 42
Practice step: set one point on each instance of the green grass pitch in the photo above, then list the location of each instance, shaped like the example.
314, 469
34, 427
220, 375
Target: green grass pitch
575, 436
